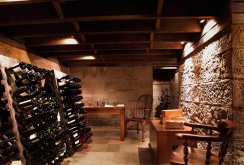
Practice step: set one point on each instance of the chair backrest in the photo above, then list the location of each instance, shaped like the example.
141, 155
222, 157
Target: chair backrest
144, 107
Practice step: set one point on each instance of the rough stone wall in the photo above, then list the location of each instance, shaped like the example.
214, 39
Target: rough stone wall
205, 81
21, 55
238, 91
113, 84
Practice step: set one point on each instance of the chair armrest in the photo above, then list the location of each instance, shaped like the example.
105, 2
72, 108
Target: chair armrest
199, 137
194, 125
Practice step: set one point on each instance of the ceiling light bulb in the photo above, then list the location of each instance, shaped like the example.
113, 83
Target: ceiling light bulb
70, 41
182, 43
87, 58
202, 20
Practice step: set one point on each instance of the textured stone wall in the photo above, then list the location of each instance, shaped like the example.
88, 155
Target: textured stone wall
205, 81
113, 84
21, 55
238, 91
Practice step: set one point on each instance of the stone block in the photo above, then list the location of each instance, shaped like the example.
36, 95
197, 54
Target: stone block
238, 116
237, 32
238, 154
238, 93
218, 93
189, 72
210, 67
238, 63
190, 111
190, 93
226, 65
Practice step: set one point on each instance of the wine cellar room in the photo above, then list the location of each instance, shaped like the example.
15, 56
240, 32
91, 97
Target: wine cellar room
141, 82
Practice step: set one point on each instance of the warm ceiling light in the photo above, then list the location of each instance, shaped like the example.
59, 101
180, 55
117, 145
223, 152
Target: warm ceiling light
87, 58
69, 41
182, 43
169, 67
202, 20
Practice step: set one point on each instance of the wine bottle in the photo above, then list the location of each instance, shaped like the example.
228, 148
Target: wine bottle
70, 86
70, 92
33, 102
24, 91
76, 106
29, 67
21, 65
63, 78
72, 99
29, 79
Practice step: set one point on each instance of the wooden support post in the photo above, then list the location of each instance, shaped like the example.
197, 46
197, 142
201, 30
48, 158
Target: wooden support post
61, 113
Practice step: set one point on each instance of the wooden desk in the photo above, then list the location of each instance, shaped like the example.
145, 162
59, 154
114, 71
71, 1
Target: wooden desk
110, 110
161, 141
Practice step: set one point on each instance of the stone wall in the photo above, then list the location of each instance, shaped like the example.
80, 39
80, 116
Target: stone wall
113, 85
238, 90
205, 81
19, 54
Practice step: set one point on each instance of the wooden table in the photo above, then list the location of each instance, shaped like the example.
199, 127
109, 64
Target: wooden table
161, 140
110, 110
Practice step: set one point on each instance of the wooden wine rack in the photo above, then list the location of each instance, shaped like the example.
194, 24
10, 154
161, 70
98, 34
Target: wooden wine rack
12, 113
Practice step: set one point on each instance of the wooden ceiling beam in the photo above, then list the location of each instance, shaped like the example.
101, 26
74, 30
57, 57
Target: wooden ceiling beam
159, 12
58, 9
79, 53
30, 1
97, 18
104, 63
130, 39
179, 26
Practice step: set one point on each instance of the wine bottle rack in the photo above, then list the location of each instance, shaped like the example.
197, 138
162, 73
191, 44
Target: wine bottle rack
9, 128
74, 114
36, 108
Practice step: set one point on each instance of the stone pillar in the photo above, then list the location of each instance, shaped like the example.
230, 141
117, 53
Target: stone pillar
237, 31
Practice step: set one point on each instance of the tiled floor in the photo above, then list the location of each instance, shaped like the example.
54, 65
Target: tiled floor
107, 149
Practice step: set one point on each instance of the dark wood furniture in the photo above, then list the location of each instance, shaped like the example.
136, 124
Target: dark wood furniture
110, 110
140, 114
162, 139
189, 155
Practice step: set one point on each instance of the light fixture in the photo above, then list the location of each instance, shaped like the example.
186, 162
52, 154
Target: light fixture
182, 43
69, 41
168, 67
87, 58
202, 21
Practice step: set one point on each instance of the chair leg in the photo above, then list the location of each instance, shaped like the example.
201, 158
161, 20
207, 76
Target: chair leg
137, 128
143, 131
126, 128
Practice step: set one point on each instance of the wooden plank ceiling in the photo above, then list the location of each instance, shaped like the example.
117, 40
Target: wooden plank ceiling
113, 31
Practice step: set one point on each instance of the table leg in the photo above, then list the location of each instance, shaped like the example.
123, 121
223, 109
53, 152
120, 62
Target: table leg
122, 124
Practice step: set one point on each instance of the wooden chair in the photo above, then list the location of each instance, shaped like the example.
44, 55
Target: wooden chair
190, 155
140, 114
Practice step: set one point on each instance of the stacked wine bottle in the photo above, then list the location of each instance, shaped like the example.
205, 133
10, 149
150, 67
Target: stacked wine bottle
36, 112
8, 148
74, 113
